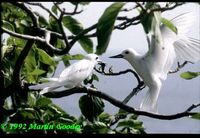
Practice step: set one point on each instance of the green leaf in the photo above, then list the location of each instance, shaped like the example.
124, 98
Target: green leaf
45, 58
189, 75
169, 24
105, 26
73, 57
8, 25
54, 9
53, 25
66, 58
130, 123
22, 27
24, 23
133, 116
43, 102
72, 24
37, 72
105, 117
76, 27
84, 3
91, 107
16, 41
86, 44
27, 113
30, 62
59, 44
97, 128
147, 19
6, 49
196, 116
43, 21
81, 3
90, 80
94, 77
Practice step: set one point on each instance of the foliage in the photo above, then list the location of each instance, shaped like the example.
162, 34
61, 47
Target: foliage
196, 116
75, 27
105, 26
189, 75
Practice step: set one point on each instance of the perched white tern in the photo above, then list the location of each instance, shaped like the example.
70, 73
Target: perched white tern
72, 76
165, 47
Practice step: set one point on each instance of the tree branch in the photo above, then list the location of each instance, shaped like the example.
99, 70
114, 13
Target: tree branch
35, 38
120, 104
179, 66
68, 13
139, 87
167, 8
44, 8
29, 12
68, 46
81, 34
117, 73
130, 9
128, 22
27, 37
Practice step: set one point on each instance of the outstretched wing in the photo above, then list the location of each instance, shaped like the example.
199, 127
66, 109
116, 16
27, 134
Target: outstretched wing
186, 49
181, 47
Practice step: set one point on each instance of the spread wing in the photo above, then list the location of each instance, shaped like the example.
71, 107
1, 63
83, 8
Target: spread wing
166, 46
181, 47
186, 48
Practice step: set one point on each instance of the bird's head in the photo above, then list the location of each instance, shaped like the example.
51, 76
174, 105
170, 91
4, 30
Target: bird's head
127, 54
94, 58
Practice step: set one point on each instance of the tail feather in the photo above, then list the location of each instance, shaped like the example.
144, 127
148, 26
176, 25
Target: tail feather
40, 86
150, 101
46, 87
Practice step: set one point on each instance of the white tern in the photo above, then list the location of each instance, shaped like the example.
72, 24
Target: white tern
72, 76
165, 47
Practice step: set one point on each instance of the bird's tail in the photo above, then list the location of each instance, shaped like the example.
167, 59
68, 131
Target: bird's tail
150, 101
43, 85
40, 86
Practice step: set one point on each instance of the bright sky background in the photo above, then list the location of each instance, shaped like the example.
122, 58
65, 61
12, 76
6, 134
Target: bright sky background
176, 95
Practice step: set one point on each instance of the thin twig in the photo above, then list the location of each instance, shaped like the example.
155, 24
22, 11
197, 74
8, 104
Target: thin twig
28, 37
81, 34
118, 73
44, 8
179, 66
68, 13
193, 106
140, 5
130, 9
167, 8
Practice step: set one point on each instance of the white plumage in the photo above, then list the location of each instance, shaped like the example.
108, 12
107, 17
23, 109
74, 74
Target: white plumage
165, 48
70, 77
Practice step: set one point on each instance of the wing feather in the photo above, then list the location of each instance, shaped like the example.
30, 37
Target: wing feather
181, 47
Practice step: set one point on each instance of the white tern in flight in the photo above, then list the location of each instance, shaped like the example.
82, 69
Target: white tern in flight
165, 47
72, 76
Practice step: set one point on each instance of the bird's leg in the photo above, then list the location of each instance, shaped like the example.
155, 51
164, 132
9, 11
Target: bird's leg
148, 41
134, 92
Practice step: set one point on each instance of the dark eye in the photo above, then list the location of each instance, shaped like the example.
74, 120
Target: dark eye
126, 52
97, 58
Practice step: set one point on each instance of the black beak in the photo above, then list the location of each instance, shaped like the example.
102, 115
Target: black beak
117, 56
101, 63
